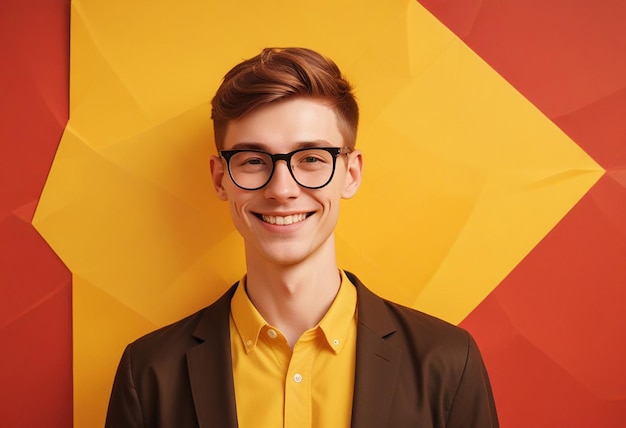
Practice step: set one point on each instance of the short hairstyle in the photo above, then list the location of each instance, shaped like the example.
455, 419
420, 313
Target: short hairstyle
278, 74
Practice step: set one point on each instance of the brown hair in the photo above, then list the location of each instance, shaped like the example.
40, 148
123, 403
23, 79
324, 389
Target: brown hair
280, 73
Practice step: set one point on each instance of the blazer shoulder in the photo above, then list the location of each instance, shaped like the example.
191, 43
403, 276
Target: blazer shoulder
431, 336
406, 326
174, 340
167, 336
425, 324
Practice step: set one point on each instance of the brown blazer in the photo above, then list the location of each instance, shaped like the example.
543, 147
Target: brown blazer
412, 370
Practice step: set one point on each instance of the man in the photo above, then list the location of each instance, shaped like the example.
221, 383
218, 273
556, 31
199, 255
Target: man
297, 342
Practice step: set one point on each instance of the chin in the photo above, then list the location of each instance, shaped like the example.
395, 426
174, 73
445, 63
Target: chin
285, 256
286, 259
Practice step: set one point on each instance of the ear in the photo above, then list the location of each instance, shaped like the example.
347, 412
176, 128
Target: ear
353, 174
217, 173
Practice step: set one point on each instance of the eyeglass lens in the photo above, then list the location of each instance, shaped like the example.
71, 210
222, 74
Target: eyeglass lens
310, 168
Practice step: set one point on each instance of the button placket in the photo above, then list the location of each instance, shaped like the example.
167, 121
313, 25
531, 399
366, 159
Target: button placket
298, 383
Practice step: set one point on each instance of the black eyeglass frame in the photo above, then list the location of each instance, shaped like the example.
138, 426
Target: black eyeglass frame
334, 152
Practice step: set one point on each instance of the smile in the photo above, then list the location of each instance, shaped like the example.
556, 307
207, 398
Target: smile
284, 220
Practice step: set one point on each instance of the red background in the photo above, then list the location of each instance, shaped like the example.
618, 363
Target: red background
35, 286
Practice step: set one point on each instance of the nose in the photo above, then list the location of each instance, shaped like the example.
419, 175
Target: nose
282, 186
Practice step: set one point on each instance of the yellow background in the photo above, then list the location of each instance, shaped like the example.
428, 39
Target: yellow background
463, 176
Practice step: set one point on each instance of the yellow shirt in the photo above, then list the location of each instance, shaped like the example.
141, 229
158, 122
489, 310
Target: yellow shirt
309, 387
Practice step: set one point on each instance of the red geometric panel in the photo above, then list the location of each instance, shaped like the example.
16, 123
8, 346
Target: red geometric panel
35, 286
566, 57
600, 128
35, 331
553, 332
34, 49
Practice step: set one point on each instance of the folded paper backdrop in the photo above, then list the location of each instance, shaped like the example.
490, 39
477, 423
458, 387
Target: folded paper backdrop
464, 176
553, 330
35, 286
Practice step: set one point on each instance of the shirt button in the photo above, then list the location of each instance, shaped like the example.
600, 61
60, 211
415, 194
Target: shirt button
272, 333
335, 342
248, 343
297, 378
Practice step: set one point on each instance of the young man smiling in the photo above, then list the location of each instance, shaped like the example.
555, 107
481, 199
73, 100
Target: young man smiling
298, 342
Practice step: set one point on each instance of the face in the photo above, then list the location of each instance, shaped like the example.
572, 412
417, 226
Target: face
283, 223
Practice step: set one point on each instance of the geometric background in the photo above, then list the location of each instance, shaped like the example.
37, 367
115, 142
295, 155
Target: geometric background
35, 286
551, 331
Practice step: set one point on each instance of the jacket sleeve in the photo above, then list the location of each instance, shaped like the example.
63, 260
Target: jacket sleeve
473, 405
124, 408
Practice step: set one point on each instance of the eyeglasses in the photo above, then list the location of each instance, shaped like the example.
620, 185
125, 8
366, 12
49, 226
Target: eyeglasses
311, 168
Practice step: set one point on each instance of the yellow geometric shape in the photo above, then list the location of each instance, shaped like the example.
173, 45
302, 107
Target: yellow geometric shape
480, 176
100, 321
463, 176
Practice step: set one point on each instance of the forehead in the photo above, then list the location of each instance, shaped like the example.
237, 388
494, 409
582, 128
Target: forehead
285, 126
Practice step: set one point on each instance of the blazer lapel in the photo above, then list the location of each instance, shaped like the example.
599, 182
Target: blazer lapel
210, 364
210, 368
376, 361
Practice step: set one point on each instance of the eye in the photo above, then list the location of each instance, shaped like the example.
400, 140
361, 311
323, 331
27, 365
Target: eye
311, 159
253, 161
250, 158
249, 161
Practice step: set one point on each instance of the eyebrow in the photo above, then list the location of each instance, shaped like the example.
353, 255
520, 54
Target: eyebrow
244, 145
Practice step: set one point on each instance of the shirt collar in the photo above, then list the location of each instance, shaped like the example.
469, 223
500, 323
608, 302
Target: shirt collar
334, 325
247, 319
337, 321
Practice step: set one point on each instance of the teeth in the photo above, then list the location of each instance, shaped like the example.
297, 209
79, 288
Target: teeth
289, 219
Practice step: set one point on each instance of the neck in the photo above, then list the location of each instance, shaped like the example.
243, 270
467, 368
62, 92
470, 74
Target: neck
294, 297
